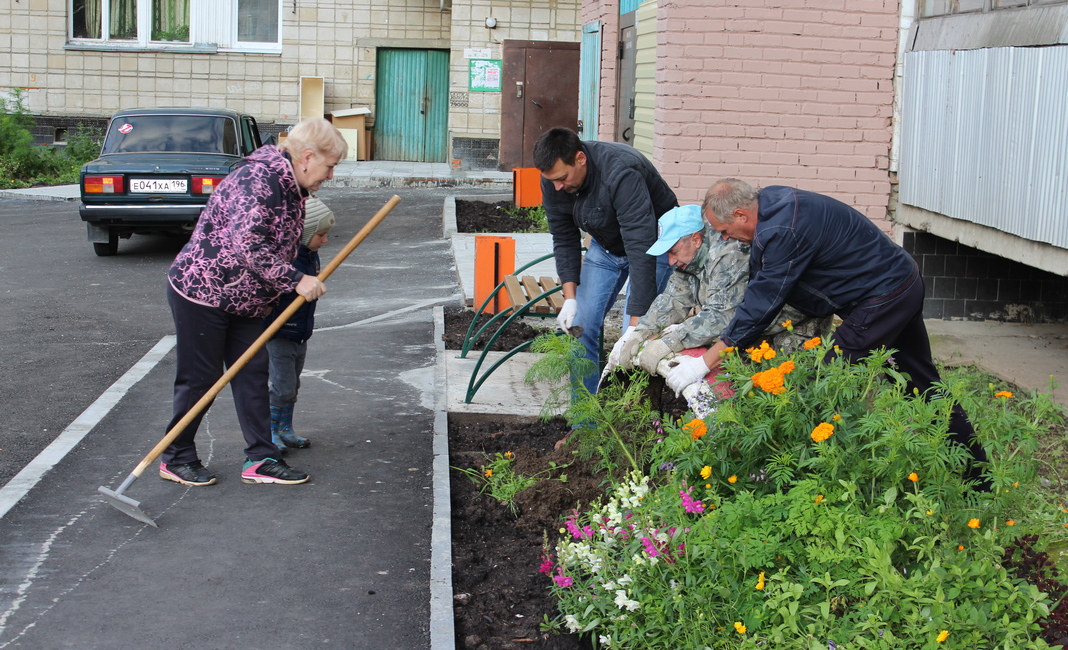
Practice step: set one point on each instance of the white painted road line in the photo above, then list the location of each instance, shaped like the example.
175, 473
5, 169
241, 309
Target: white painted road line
24, 481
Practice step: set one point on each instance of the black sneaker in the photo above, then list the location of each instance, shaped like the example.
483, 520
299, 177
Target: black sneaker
270, 470
192, 473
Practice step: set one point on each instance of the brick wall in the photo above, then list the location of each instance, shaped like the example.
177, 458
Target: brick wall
788, 92
965, 283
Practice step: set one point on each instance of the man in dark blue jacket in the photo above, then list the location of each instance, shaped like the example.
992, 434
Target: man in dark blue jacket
823, 257
614, 193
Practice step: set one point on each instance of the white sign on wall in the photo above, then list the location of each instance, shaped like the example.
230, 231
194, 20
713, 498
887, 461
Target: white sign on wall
476, 53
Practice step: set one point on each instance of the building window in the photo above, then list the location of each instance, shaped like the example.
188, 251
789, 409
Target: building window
257, 21
227, 24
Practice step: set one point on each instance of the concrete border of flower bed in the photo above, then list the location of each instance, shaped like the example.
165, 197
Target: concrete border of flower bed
448, 212
442, 621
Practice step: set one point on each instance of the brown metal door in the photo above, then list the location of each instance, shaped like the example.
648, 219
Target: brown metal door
539, 90
627, 62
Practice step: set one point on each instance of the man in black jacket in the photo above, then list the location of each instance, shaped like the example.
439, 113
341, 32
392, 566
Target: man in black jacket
614, 193
823, 257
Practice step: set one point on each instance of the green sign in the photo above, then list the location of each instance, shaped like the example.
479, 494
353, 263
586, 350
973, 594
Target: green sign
484, 75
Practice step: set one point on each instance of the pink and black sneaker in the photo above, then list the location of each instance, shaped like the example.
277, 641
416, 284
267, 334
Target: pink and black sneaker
270, 470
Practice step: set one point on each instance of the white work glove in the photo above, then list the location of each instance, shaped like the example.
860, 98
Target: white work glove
623, 350
567, 314
685, 370
652, 354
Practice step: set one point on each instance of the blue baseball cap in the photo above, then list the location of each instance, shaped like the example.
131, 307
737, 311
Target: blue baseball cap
676, 224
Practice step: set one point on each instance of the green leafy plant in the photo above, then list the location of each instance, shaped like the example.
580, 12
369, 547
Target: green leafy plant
821, 507
23, 164
498, 478
617, 426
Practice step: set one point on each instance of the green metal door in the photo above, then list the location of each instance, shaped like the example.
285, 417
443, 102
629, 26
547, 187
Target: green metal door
412, 95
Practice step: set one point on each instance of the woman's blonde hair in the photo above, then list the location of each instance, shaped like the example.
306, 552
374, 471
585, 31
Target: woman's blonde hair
315, 135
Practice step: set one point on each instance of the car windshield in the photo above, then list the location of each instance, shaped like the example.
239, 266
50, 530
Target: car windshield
172, 134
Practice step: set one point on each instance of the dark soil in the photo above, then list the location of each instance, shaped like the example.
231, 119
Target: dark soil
500, 598
458, 320
480, 216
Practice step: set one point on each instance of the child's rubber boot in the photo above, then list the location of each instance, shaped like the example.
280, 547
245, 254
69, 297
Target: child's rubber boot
276, 418
286, 433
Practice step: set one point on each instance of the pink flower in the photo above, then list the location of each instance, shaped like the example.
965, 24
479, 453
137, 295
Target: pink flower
562, 580
689, 503
650, 548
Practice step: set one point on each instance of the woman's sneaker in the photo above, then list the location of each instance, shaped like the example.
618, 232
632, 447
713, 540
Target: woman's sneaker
192, 473
270, 470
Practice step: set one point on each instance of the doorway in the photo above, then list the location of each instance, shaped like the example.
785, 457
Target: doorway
539, 91
412, 101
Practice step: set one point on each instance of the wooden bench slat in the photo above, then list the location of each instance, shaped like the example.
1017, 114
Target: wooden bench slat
556, 299
533, 291
516, 295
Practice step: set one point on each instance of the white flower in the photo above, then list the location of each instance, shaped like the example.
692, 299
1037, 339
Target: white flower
572, 623
626, 579
605, 640
610, 586
622, 601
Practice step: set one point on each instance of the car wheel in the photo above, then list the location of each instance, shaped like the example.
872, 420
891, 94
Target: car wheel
106, 249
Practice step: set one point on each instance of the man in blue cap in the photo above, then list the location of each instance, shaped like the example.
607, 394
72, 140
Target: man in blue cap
709, 282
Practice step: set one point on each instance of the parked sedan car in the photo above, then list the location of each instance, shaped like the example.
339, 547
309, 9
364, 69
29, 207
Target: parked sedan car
157, 169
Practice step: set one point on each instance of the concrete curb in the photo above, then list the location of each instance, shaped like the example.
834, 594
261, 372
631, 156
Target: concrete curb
442, 621
448, 213
54, 193
387, 180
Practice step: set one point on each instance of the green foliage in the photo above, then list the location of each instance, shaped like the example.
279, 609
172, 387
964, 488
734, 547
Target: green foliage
22, 164
823, 507
503, 483
535, 214
615, 427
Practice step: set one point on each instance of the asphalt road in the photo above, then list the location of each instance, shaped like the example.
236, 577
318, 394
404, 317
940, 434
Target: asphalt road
341, 562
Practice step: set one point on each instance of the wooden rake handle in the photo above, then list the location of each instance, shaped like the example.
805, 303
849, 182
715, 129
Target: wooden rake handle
236, 367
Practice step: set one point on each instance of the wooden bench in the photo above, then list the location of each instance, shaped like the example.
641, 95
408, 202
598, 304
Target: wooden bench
529, 296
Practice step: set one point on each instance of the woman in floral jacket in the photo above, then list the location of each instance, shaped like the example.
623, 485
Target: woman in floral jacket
238, 262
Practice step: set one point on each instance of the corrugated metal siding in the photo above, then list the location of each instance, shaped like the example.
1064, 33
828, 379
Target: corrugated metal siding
590, 79
645, 79
984, 138
436, 145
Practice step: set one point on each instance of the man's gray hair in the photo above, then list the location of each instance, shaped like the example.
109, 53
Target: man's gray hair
727, 195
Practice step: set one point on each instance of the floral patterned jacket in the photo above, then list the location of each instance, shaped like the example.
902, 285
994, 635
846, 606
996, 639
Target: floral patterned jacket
240, 256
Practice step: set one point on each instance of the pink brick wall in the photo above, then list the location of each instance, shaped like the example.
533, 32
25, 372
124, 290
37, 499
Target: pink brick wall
777, 92
607, 11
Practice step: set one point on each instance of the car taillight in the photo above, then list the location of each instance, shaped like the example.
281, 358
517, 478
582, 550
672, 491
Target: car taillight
103, 184
205, 184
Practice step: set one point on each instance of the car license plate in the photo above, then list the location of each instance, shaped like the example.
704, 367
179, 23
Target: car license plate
162, 185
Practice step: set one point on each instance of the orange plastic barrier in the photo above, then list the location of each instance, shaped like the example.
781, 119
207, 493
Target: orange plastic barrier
526, 185
494, 259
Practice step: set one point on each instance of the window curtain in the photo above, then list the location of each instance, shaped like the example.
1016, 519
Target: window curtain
123, 19
257, 21
86, 18
170, 20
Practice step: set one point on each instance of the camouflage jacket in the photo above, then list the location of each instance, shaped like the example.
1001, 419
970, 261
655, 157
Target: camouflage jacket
702, 298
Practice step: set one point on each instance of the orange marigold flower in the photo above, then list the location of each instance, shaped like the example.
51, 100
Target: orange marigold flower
914, 477
1016, 484
761, 353
760, 581
733, 478
819, 497
739, 628
488, 473
822, 431
960, 547
837, 417
786, 367
726, 351
812, 343
508, 454
973, 523
788, 324
1010, 522
1004, 393
942, 636
696, 428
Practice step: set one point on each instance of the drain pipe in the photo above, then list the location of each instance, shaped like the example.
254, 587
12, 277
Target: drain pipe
908, 16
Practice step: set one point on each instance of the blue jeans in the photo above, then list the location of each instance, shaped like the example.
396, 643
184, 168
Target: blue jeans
286, 364
602, 278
